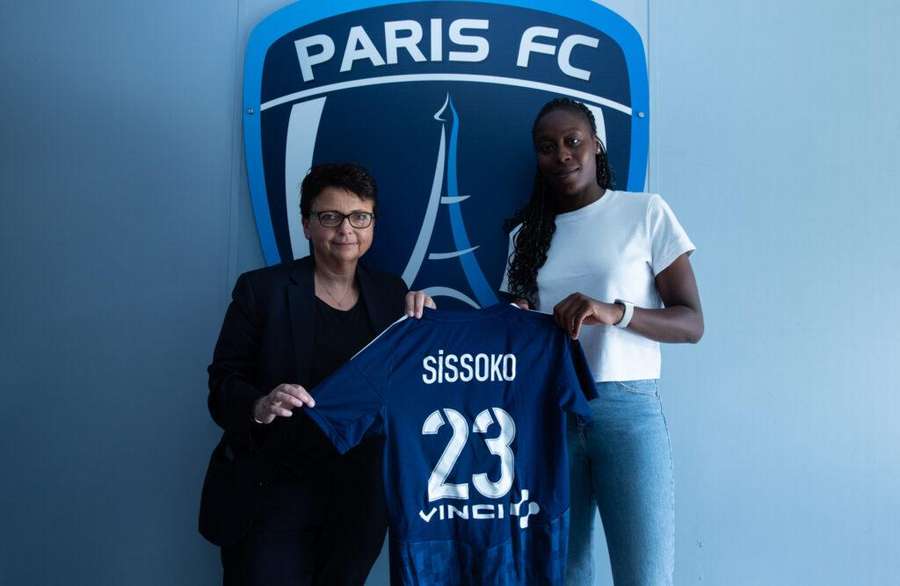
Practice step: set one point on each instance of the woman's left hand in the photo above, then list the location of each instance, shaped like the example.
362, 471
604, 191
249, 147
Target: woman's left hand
578, 309
416, 301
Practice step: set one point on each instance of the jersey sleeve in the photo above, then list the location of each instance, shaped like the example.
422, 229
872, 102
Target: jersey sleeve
350, 403
668, 239
575, 383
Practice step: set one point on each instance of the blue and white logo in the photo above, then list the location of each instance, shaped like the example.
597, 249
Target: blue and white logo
436, 99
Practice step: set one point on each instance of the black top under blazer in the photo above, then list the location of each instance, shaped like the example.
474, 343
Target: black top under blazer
266, 340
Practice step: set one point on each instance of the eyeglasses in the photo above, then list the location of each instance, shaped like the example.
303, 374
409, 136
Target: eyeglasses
333, 219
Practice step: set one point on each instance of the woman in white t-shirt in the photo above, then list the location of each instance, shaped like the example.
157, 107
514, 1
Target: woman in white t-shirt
613, 268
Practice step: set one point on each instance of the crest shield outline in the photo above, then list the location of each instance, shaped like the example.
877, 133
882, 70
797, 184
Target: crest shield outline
442, 199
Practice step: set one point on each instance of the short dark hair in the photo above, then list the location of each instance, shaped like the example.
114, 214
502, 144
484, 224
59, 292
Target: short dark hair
350, 176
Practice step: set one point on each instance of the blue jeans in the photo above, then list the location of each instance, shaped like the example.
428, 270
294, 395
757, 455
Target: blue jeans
622, 465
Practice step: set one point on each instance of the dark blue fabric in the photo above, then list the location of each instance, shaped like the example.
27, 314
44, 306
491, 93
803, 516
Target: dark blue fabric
517, 532
534, 556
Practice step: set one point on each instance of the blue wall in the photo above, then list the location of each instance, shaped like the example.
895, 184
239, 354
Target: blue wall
125, 218
776, 138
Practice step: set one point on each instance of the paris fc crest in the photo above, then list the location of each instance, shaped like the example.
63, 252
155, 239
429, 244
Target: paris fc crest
436, 99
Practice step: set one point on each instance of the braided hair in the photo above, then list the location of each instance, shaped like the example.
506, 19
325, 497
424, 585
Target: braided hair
538, 217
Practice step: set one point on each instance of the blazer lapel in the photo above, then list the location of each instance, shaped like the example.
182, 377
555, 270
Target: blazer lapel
301, 297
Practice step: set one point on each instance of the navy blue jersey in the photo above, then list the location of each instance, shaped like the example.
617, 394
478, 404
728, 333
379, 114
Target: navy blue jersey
472, 406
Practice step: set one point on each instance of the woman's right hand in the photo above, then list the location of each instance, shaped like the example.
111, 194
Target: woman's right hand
578, 309
280, 402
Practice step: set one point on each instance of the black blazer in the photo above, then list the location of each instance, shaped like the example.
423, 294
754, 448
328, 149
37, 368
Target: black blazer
266, 339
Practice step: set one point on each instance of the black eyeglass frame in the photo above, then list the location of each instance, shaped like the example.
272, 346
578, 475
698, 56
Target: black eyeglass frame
348, 217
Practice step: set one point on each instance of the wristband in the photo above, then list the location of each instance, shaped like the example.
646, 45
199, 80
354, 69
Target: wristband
629, 313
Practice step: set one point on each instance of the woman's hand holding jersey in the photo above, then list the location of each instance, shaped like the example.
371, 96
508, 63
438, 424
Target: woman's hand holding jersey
280, 402
416, 301
578, 309
681, 320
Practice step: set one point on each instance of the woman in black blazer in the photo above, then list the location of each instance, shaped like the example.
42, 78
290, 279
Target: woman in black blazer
281, 503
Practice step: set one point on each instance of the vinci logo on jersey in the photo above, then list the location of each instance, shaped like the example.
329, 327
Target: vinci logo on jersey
437, 100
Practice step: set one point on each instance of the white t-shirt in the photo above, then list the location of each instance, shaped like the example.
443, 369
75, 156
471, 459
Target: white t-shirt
612, 249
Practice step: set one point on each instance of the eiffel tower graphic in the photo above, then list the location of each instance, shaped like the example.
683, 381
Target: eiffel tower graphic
448, 207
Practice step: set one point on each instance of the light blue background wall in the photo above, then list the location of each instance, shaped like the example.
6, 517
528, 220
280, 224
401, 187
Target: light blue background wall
125, 218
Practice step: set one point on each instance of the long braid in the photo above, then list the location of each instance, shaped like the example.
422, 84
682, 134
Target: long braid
538, 217
532, 242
